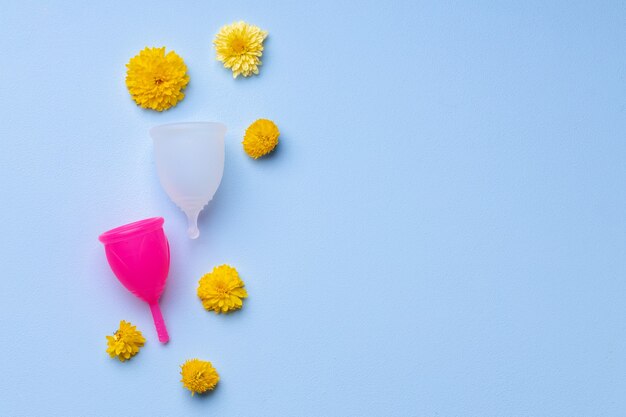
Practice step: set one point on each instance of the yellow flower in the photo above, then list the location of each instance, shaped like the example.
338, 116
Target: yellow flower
156, 80
198, 376
125, 342
221, 290
261, 138
239, 46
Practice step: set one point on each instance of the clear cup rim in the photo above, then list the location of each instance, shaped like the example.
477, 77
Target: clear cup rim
187, 125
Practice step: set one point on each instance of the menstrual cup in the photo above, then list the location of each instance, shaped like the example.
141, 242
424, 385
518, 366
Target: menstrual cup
139, 256
190, 162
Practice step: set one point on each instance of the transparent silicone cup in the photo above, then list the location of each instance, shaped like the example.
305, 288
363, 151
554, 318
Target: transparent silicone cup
190, 163
139, 255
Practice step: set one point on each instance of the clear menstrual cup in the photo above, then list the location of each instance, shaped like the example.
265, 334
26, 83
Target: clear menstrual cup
190, 162
139, 255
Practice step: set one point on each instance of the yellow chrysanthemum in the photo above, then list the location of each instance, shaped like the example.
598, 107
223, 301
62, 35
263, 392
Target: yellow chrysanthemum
125, 342
198, 376
222, 290
261, 138
240, 46
156, 80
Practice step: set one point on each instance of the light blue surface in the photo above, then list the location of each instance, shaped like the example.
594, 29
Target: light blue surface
440, 233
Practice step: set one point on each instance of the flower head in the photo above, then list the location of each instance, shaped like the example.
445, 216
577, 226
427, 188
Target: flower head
222, 290
260, 138
156, 80
125, 342
240, 46
198, 376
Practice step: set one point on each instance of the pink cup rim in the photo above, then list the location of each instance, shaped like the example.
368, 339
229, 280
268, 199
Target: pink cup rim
130, 230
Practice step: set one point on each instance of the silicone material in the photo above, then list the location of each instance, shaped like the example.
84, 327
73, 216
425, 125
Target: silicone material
139, 255
190, 163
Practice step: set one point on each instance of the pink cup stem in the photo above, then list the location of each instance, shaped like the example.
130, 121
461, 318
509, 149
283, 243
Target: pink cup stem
159, 323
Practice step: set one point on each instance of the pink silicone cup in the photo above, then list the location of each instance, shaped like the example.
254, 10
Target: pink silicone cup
139, 255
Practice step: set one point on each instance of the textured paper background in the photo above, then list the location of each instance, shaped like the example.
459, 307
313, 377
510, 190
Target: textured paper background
440, 233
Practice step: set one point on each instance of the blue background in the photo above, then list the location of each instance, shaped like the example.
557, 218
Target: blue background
440, 232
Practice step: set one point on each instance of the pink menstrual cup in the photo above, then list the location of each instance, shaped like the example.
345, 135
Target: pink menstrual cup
139, 256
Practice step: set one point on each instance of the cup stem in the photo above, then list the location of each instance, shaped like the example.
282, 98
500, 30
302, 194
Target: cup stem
159, 323
192, 223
